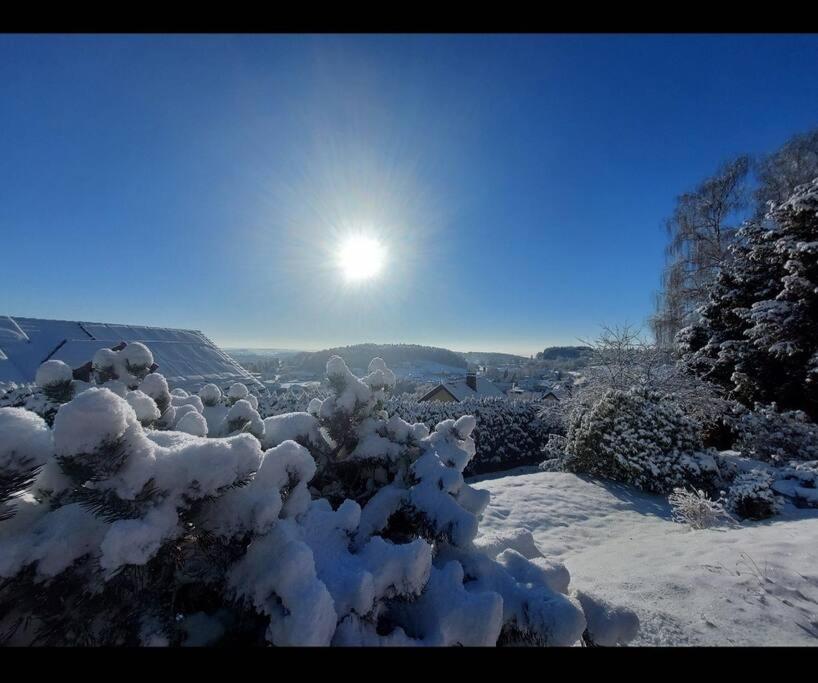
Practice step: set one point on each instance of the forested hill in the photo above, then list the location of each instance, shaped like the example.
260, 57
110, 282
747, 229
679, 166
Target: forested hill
359, 355
565, 353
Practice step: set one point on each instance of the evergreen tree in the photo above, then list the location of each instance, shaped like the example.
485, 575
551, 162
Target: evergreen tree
758, 334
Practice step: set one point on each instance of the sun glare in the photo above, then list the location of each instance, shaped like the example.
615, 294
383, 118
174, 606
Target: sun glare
361, 257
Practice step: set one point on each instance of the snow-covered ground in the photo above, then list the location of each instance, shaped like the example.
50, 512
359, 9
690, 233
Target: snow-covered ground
756, 584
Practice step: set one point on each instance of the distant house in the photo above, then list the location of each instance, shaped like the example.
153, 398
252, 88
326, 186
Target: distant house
186, 358
455, 391
518, 393
557, 393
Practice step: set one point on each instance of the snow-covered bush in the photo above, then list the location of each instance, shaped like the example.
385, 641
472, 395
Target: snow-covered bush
25, 446
639, 438
130, 536
34, 398
751, 495
772, 436
126, 363
508, 433
211, 395
798, 482
55, 378
695, 508
236, 392
553, 453
620, 358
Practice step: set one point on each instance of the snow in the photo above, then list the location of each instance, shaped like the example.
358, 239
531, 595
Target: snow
94, 417
237, 391
192, 423
53, 372
154, 385
355, 391
180, 411
53, 542
210, 394
137, 356
143, 405
294, 426
25, 439
754, 584
299, 605
194, 401
135, 541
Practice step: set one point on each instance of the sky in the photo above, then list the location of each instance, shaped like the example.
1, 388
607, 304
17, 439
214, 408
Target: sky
517, 184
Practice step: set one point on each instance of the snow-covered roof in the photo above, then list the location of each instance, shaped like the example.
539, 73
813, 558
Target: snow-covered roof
186, 358
460, 390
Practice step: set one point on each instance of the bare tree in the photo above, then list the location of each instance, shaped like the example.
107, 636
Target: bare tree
622, 358
701, 229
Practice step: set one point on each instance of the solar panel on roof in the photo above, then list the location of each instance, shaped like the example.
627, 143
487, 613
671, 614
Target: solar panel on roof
186, 358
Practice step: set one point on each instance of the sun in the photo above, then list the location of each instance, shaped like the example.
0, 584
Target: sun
361, 257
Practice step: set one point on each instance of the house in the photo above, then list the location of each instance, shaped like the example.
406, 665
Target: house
471, 386
518, 392
186, 358
558, 392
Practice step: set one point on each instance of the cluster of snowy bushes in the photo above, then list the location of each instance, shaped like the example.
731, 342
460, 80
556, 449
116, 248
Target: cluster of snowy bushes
746, 380
123, 524
294, 400
637, 437
508, 433
648, 441
767, 434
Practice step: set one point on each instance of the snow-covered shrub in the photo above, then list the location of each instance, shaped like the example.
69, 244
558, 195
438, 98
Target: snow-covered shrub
156, 386
128, 536
55, 378
554, 453
243, 417
639, 438
33, 398
236, 392
193, 423
772, 436
210, 394
25, 446
144, 406
695, 508
751, 495
508, 433
798, 482
126, 363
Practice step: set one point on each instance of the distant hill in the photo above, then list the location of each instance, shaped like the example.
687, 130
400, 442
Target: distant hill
359, 355
493, 358
554, 352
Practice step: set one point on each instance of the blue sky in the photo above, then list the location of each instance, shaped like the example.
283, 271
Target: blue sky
518, 183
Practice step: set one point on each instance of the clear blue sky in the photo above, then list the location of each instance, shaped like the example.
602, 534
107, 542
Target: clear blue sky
518, 183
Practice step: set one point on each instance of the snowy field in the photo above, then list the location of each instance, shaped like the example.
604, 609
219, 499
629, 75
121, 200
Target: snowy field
751, 585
